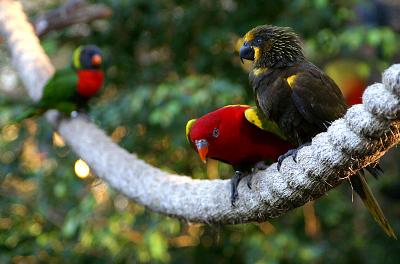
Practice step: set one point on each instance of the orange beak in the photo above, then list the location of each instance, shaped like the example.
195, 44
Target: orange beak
202, 149
97, 59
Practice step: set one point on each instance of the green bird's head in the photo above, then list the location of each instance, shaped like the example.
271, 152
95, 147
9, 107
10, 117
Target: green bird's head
271, 46
87, 57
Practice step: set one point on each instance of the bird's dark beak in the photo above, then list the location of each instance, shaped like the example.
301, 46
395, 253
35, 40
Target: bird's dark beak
202, 149
97, 60
246, 52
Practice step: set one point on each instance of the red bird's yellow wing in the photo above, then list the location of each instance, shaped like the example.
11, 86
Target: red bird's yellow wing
256, 118
189, 125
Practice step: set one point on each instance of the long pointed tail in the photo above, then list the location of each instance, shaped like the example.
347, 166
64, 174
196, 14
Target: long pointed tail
362, 189
30, 112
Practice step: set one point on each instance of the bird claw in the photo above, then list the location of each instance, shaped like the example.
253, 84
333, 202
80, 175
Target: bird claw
234, 197
234, 186
291, 152
249, 179
261, 165
74, 114
294, 155
297, 150
85, 116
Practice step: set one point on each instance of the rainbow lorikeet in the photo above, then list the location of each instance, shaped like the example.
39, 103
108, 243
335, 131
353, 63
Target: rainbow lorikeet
237, 136
299, 97
70, 89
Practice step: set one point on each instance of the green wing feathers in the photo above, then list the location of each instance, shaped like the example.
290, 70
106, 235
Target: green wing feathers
61, 88
58, 93
257, 118
361, 187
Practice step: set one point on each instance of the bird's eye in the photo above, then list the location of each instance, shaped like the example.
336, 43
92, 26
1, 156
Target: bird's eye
258, 40
215, 132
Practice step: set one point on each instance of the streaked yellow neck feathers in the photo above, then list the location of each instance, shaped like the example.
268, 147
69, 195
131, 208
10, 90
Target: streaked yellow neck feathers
249, 36
258, 71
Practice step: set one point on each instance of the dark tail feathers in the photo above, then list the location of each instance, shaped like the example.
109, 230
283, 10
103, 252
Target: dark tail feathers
362, 189
375, 170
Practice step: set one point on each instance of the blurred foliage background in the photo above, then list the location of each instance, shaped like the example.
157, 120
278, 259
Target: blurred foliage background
169, 61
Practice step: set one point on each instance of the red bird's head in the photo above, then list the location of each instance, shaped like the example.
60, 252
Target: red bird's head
236, 135
202, 132
213, 135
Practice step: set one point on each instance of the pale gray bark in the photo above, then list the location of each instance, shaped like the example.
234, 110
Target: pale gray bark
361, 138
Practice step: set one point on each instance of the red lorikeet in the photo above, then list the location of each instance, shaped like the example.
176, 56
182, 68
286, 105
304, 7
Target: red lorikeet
237, 136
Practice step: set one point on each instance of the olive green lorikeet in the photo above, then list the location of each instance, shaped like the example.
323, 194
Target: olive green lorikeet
237, 136
299, 97
70, 89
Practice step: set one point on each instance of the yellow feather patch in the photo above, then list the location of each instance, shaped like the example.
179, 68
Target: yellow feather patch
258, 71
76, 58
189, 125
248, 37
253, 116
256, 53
290, 80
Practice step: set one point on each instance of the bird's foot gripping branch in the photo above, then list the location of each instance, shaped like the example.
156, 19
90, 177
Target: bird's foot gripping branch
360, 138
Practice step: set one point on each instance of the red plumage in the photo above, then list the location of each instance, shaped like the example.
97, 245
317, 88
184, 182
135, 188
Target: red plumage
89, 82
239, 142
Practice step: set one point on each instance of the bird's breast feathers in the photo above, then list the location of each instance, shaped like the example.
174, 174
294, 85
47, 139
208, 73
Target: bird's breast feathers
89, 82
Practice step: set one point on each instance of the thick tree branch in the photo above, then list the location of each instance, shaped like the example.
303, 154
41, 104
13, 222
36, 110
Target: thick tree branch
72, 12
361, 138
